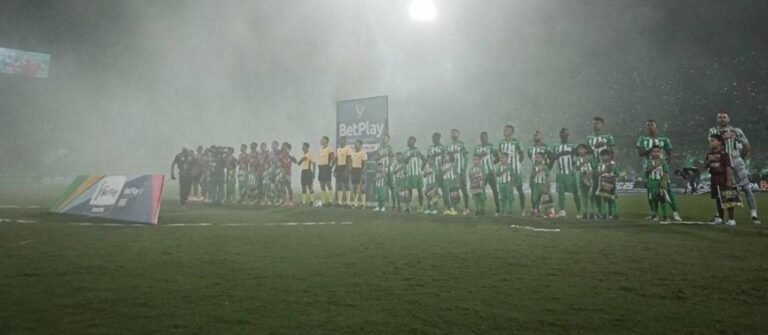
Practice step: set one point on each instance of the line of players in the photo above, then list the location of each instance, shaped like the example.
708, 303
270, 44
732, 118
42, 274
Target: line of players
587, 171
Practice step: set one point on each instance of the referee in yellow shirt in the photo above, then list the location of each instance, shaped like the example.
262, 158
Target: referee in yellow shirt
359, 158
307, 175
342, 172
324, 175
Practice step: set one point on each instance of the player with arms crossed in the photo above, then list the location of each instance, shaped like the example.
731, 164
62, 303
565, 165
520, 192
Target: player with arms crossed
644, 145
735, 143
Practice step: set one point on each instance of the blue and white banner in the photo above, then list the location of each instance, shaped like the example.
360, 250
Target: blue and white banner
364, 119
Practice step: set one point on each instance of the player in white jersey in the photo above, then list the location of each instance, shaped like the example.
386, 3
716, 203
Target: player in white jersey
738, 147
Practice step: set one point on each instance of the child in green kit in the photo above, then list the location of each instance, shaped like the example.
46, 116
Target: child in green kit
476, 175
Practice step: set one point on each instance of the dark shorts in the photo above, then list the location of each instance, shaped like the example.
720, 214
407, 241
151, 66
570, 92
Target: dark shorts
357, 176
716, 183
342, 175
307, 177
324, 173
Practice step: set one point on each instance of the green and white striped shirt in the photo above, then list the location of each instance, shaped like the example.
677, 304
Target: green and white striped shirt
384, 156
565, 162
488, 152
539, 174
459, 151
476, 176
646, 142
449, 171
514, 150
429, 176
658, 172
599, 142
413, 159
734, 145
503, 173
540, 148
435, 154
381, 179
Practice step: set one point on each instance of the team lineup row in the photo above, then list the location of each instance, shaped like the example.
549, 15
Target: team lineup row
443, 172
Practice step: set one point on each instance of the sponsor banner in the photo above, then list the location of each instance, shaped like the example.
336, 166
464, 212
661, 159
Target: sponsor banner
24, 62
127, 198
364, 119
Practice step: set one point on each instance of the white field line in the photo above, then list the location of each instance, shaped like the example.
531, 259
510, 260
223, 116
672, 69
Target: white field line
206, 224
555, 230
17, 206
16, 221
687, 223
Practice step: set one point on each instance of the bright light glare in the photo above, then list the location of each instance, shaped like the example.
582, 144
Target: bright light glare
423, 10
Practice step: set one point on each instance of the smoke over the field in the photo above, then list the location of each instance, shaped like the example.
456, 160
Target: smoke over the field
131, 82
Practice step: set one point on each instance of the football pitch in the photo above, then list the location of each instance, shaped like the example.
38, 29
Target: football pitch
320, 270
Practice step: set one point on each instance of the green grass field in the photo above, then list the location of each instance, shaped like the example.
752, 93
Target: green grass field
380, 273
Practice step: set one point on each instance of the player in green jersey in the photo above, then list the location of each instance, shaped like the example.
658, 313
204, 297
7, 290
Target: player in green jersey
605, 199
514, 150
644, 145
477, 175
505, 183
584, 166
540, 186
382, 189
459, 151
488, 157
450, 190
538, 147
656, 172
435, 156
737, 146
564, 154
414, 161
384, 155
399, 180
431, 188
599, 140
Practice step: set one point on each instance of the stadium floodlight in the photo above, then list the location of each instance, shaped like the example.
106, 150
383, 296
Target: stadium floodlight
423, 10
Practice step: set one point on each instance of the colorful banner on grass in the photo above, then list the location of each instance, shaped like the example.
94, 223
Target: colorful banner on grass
127, 198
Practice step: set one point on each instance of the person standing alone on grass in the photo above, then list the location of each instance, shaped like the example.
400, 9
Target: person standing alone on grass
718, 162
644, 145
564, 154
183, 162
307, 175
735, 143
